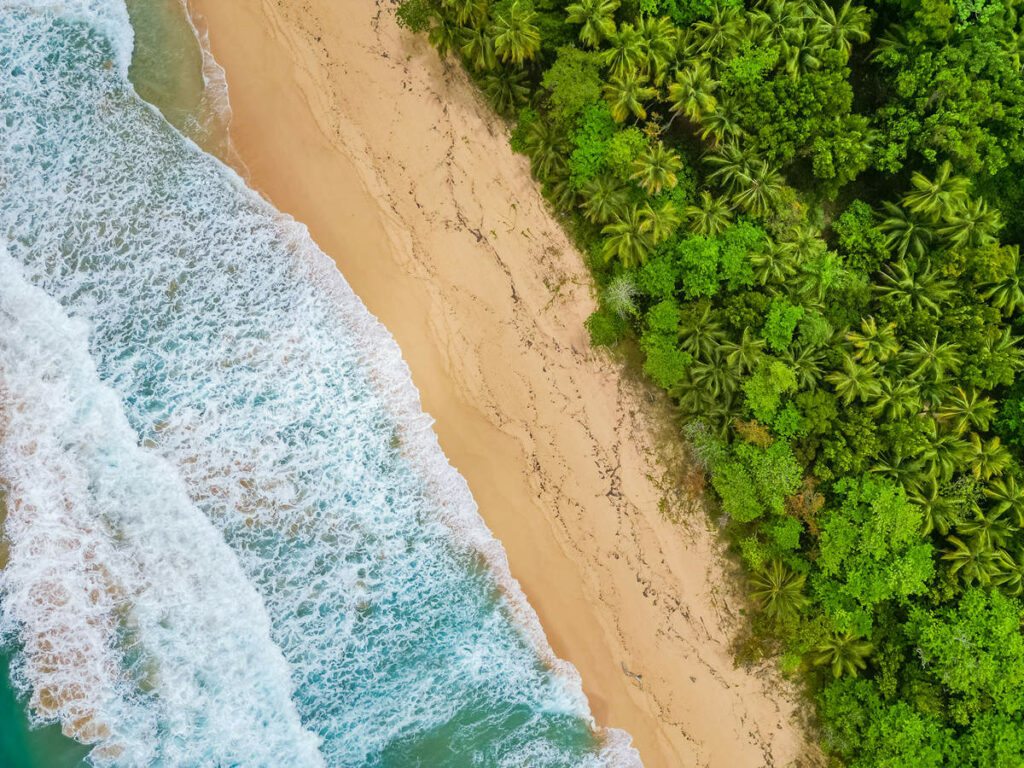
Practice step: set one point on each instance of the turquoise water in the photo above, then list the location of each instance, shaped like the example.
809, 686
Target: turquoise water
22, 747
233, 538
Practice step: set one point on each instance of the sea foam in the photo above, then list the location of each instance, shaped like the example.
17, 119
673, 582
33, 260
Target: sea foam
138, 628
275, 414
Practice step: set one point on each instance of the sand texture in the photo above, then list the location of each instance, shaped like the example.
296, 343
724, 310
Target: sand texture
357, 129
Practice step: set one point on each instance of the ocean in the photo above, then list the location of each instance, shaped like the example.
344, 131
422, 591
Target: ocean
231, 538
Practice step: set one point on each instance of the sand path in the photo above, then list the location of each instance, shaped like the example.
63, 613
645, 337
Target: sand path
357, 129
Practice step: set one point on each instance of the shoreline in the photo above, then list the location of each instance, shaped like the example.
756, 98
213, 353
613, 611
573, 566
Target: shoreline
402, 176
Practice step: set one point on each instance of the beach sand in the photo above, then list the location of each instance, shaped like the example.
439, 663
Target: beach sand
357, 129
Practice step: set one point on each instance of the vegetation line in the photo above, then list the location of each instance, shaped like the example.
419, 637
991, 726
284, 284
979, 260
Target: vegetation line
815, 239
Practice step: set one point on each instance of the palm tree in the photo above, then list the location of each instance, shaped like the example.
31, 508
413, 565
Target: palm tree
560, 190
516, 36
1014, 46
546, 147
624, 53
744, 354
987, 457
991, 528
902, 465
1007, 496
718, 34
692, 398
895, 38
626, 95
1007, 294
972, 561
715, 375
939, 198
844, 27
595, 16
661, 222
693, 92
939, 513
806, 363
930, 358
703, 335
469, 13
819, 275
659, 38
655, 169
972, 226
772, 264
759, 193
776, 19
603, 198
934, 392
846, 654
478, 47
505, 89
968, 409
801, 50
779, 591
721, 413
873, 343
445, 35
905, 232
719, 123
803, 242
709, 217
855, 381
944, 452
1004, 344
733, 167
1010, 578
895, 399
922, 288
628, 239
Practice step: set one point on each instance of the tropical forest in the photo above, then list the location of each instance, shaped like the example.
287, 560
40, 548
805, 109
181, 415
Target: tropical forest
805, 216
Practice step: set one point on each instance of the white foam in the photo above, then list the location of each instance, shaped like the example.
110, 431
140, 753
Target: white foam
242, 356
109, 17
139, 630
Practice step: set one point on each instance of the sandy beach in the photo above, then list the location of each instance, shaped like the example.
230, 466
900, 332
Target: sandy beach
357, 129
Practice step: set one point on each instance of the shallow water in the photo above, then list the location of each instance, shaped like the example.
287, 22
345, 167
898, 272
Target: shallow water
233, 538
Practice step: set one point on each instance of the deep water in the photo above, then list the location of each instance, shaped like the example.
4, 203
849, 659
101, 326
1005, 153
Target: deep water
233, 539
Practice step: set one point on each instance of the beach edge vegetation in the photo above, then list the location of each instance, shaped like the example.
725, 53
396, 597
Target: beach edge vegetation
806, 214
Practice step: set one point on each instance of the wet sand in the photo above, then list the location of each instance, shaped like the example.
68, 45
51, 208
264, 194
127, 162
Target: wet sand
402, 175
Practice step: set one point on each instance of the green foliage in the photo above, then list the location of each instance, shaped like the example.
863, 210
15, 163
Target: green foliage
843, 346
573, 83
764, 389
685, 12
753, 481
414, 15
871, 731
871, 551
814, 330
696, 261
860, 239
594, 129
623, 149
736, 243
975, 649
528, 117
980, 117
665, 362
606, 327
782, 320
